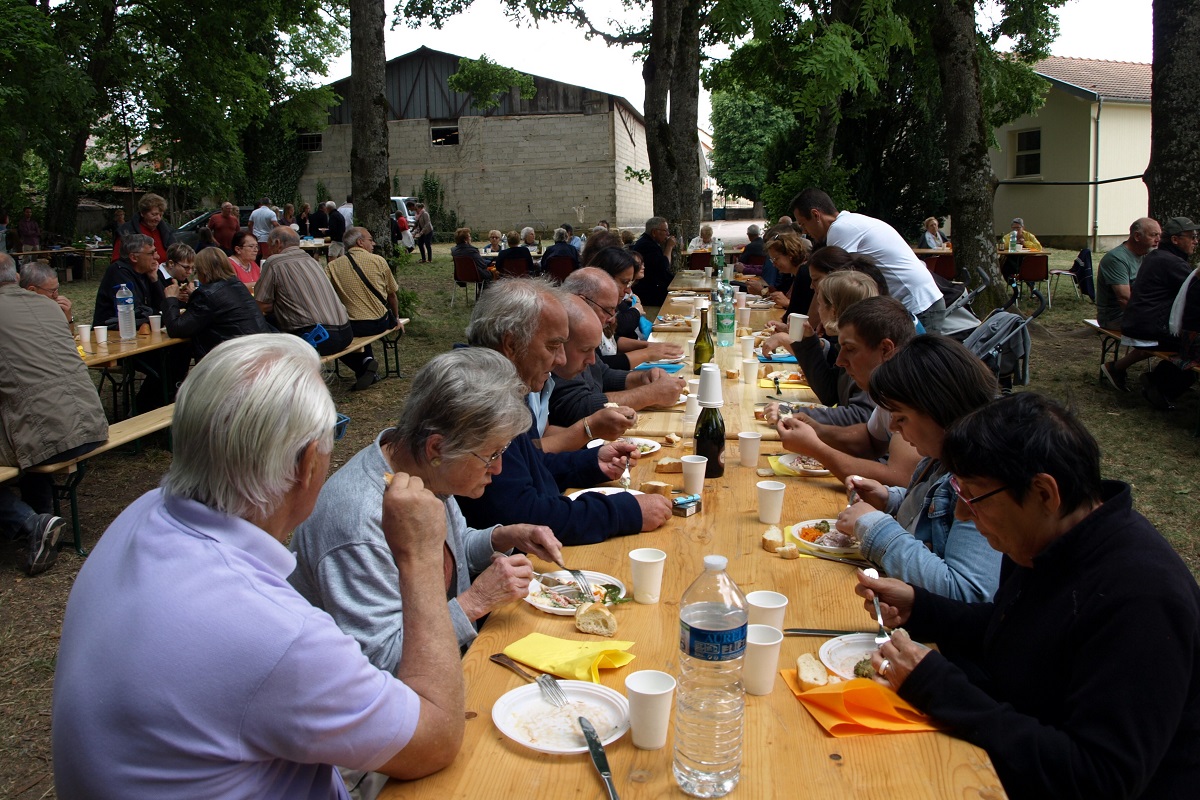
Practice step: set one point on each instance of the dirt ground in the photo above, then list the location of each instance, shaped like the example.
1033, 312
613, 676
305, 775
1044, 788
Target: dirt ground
1154, 451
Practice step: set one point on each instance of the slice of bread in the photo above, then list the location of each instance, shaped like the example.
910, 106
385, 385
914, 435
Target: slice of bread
595, 618
669, 465
811, 672
788, 551
772, 538
655, 487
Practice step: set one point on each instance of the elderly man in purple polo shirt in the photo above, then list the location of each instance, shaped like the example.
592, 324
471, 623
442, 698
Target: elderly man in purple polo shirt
189, 666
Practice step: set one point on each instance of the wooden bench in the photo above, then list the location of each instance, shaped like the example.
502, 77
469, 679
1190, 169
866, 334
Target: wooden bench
8, 473
73, 469
1110, 345
390, 340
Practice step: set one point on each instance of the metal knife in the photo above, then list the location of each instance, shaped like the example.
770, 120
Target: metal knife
820, 632
598, 758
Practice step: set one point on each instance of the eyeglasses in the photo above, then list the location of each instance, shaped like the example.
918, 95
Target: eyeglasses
145, 253
51, 293
971, 501
493, 458
251, 244
611, 312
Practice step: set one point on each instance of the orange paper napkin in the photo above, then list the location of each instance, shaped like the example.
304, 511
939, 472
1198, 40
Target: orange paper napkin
858, 707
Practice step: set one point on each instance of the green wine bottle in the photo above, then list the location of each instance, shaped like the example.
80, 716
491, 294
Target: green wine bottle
704, 349
710, 441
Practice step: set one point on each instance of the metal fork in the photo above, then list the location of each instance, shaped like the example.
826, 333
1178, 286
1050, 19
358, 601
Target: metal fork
553, 693
584, 586
882, 637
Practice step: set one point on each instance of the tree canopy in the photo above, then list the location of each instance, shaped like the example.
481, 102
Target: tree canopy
485, 81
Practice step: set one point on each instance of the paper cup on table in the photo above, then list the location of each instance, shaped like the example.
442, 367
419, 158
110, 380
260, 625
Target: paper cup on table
85, 336
742, 317
650, 693
710, 392
750, 371
762, 658
693, 474
796, 326
156, 323
770, 501
101, 332
708, 272
695, 322
691, 412
749, 443
646, 567
747, 344
727, 272
739, 299
766, 608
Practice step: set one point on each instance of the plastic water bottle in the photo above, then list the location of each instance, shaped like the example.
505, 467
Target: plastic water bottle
710, 699
126, 320
1012, 242
718, 255
726, 317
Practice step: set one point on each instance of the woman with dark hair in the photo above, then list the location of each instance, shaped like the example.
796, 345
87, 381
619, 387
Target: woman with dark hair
245, 258
789, 253
913, 533
621, 348
151, 210
220, 308
595, 243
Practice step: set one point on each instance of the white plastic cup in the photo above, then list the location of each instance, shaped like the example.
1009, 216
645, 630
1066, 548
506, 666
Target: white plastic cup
85, 335
749, 443
156, 324
767, 608
739, 299
695, 322
710, 392
727, 272
796, 326
770, 501
650, 694
708, 272
747, 343
742, 317
691, 412
101, 332
762, 658
750, 371
693, 474
646, 567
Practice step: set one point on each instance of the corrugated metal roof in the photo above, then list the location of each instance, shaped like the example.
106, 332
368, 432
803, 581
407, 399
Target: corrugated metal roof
1113, 80
416, 88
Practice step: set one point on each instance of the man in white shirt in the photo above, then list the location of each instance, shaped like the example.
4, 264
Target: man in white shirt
346, 209
908, 279
262, 219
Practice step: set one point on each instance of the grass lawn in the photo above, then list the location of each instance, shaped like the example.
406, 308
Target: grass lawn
1154, 451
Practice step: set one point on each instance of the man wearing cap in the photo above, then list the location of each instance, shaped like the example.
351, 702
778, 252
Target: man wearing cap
1117, 271
1024, 237
1147, 314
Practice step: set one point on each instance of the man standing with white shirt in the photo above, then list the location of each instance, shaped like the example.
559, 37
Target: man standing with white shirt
909, 281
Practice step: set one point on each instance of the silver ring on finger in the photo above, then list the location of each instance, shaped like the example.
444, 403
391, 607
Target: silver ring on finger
884, 667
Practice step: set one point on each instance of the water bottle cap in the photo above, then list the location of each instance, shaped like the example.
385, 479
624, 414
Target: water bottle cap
714, 563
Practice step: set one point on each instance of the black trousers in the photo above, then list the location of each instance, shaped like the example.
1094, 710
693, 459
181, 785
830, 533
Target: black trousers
425, 243
364, 327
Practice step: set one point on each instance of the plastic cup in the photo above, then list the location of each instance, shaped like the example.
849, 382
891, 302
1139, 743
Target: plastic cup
727, 272
101, 332
693, 474
710, 386
749, 443
747, 343
762, 658
695, 322
646, 567
766, 608
708, 272
691, 412
739, 299
85, 335
770, 501
750, 371
796, 326
650, 694
156, 324
742, 317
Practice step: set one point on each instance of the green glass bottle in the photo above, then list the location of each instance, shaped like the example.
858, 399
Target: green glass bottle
704, 349
710, 441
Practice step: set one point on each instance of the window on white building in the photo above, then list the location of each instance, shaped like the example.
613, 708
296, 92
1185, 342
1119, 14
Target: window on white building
443, 136
1028, 152
309, 142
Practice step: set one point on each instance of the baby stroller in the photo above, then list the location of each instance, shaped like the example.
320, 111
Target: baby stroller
1002, 341
960, 321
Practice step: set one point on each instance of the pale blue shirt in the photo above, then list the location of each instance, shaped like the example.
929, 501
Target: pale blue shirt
539, 404
189, 667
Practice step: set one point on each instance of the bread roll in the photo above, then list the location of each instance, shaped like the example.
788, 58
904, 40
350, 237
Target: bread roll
811, 672
669, 465
655, 487
595, 618
672, 438
788, 551
772, 538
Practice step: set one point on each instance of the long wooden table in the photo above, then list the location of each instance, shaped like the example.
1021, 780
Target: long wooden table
784, 749
116, 349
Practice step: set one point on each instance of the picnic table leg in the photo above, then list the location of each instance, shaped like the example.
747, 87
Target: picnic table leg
67, 491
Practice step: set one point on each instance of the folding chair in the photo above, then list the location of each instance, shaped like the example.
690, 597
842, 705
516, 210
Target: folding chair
465, 273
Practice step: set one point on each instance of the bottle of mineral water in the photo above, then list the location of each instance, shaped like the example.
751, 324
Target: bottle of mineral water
710, 698
125, 314
726, 317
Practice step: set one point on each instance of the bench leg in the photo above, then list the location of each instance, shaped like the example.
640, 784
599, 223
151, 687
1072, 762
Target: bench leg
391, 355
67, 491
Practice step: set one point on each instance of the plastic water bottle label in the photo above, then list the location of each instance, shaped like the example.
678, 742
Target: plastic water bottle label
712, 645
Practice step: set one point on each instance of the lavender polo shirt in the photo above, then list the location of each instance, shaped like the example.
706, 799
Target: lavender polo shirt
189, 667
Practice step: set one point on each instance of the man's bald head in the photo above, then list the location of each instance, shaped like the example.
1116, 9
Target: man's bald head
583, 339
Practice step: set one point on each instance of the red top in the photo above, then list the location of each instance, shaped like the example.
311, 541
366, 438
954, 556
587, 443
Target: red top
153, 234
248, 276
224, 228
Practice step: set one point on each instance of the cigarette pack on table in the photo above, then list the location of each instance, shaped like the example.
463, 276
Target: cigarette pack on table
687, 510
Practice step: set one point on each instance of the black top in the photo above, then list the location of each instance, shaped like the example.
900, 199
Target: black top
319, 219
147, 294
511, 260
652, 288
1162, 272
561, 249
1082, 678
215, 312
337, 226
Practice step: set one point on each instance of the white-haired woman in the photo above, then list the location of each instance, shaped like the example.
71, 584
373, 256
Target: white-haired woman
704, 241
464, 408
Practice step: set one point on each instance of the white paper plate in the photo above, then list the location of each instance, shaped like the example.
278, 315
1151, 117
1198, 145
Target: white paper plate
794, 461
602, 490
841, 654
594, 578
650, 445
794, 532
759, 305
525, 717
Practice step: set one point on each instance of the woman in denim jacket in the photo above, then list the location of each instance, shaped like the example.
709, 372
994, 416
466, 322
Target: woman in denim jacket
912, 533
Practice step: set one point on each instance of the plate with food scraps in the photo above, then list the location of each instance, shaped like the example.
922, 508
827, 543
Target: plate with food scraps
844, 653
759, 304
603, 490
527, 718
817, 529
805, 465
553, 603
644, 446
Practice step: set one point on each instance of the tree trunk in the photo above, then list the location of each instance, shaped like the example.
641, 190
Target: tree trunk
1174, 116
685, 190
972, 183
369, 122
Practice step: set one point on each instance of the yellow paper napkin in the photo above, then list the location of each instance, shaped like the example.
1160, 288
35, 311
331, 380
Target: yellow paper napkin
767, 383
858, 707
780, 469
566, 658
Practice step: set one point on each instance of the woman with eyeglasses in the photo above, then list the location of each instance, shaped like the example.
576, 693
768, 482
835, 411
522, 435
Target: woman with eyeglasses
221, 308
464, 408
913, 533
245, 258
495, 242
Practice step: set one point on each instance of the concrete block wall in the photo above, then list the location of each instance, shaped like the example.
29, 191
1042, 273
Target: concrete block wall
634, 201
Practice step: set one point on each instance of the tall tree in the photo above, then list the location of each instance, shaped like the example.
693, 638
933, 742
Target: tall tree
1174, 117
368, 121
744, 124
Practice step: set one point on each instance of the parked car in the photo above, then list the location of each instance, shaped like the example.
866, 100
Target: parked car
403, 205
189, 232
